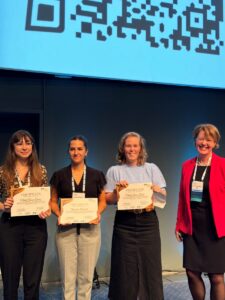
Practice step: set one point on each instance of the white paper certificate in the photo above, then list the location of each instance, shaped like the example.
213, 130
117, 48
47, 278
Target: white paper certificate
159, 200
135, 196
30, 201
78, 210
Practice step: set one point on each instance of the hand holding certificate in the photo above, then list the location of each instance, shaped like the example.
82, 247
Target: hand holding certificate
30, 201
140, 196
135, 196
78, 210
159, 199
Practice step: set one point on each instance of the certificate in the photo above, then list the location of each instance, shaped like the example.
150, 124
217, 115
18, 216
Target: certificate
78, 210
135, 196
29, 201
159, 200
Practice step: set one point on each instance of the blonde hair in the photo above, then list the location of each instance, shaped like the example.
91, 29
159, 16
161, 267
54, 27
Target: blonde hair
209, 130
121, 158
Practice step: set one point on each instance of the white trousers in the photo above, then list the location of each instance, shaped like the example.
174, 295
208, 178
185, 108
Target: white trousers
78, 256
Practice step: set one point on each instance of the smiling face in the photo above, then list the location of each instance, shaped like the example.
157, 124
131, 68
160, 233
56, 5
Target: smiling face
132, 149
204, 144
23, 148
77, 152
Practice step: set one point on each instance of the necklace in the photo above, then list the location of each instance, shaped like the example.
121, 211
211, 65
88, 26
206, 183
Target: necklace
77, 178
196, 165
202, 163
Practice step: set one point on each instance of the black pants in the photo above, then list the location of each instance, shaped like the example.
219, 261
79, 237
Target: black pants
23, 242
136, 257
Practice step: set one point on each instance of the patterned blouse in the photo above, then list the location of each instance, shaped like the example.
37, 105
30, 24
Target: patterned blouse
4, 192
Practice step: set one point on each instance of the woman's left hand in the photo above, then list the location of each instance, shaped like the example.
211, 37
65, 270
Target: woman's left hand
179, 236
97, 220
150, 207
8, 203
156, 188
45, 214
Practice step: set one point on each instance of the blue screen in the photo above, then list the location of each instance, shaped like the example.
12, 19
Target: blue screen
172, 42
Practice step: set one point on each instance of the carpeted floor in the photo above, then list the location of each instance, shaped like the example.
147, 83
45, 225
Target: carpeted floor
175, 288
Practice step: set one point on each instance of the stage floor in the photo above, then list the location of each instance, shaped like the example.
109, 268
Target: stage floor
175, 288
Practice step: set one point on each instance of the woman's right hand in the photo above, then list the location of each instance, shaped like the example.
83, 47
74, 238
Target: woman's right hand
64, 224
113, 197
59, 221
179, 236
8, 203
121, 185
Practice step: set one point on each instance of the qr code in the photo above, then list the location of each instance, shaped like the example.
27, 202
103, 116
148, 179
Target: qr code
173, 24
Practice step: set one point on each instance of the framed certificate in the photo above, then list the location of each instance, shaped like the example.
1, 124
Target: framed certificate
135, 196
29, 201
78, 210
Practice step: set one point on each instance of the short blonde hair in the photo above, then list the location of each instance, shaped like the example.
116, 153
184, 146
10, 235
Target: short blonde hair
121, 158
210, 130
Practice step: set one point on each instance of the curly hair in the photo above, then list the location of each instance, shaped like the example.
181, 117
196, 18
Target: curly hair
121, 158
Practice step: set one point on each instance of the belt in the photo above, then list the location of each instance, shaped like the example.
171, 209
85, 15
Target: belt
137, 211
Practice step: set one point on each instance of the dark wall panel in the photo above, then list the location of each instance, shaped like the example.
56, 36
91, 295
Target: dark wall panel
104, 110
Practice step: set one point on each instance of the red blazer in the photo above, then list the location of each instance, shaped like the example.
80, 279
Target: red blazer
216, 192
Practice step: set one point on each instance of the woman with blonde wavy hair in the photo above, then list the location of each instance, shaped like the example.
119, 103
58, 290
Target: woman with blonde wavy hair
136, 270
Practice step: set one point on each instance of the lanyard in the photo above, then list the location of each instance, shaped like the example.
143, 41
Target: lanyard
19, 180
204, 173
84, 181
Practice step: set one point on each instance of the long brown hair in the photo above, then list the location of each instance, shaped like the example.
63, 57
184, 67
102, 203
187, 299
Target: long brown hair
10, 160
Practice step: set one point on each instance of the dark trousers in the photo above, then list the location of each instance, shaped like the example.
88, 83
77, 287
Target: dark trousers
23, 242
136, 270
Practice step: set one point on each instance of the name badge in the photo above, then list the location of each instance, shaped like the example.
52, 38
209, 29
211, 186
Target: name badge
196, 191
78, 195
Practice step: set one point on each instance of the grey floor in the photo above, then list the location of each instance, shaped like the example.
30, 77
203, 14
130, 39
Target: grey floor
175, 288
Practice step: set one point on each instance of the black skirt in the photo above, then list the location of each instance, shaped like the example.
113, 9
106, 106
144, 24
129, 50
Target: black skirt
204, 251
136, 269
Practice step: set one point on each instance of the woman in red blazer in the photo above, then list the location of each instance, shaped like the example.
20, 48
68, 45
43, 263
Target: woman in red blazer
201, 215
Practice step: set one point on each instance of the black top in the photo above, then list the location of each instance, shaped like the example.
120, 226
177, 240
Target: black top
61, 180
205, 193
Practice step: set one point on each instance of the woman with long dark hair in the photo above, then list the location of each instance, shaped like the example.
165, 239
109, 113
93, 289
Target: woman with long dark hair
23, 239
